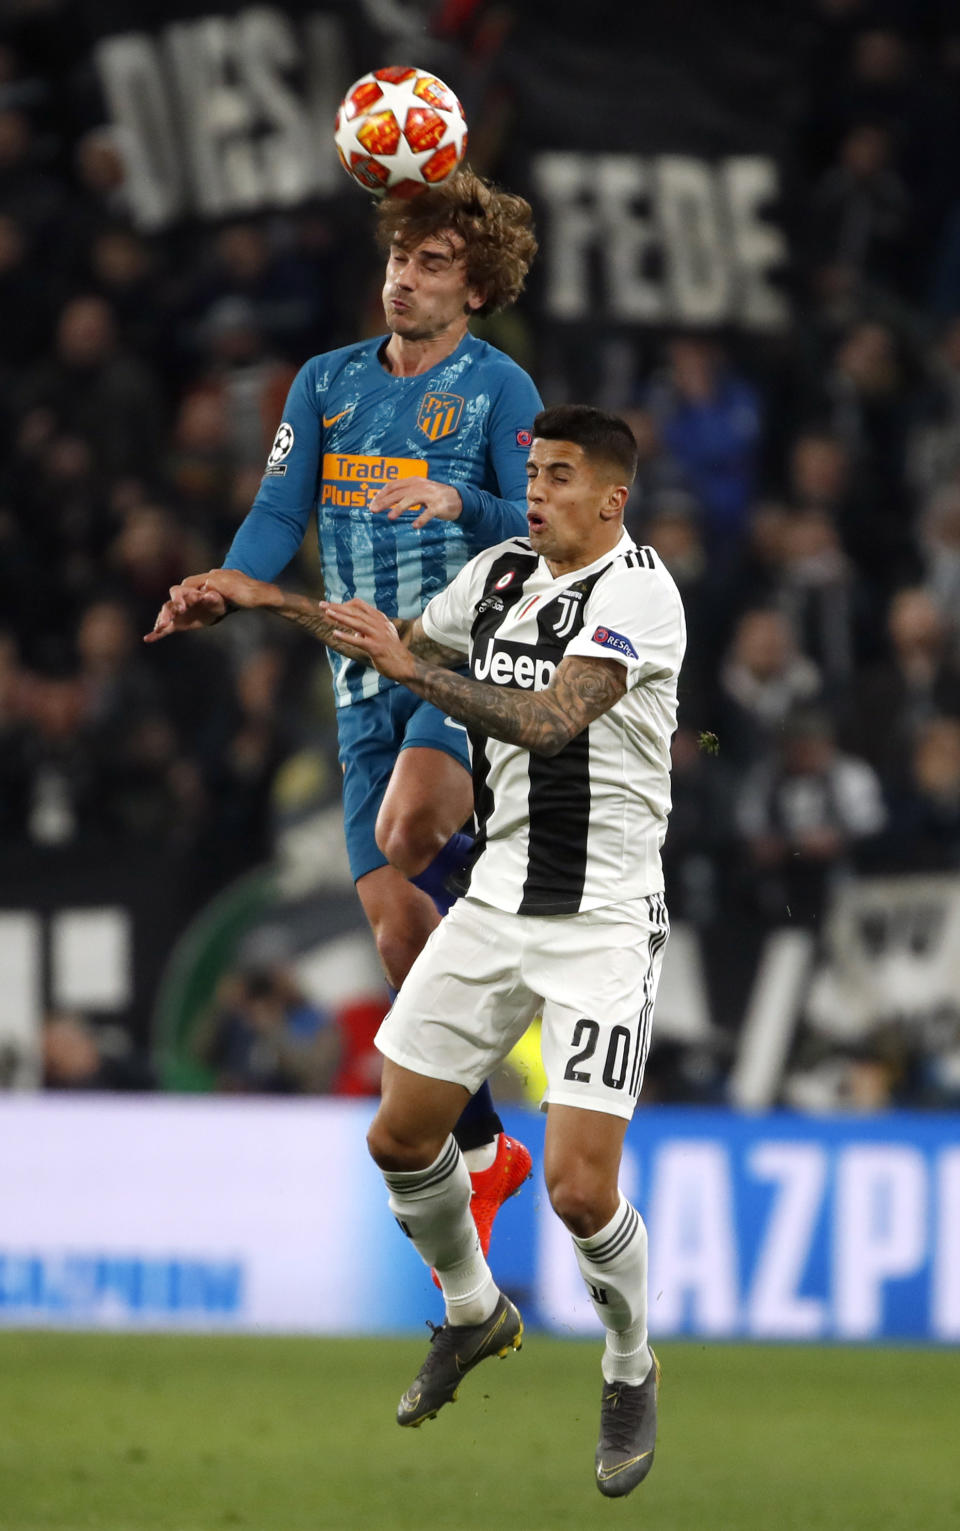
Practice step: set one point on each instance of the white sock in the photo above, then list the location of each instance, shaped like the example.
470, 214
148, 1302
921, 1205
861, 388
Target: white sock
613, 1263
432, 1206
477, 1159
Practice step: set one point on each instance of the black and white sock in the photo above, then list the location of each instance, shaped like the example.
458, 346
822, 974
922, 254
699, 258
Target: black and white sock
432, 1206
613, 1263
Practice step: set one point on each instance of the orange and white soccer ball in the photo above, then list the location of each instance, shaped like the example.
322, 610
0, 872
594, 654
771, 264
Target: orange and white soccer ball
400, 130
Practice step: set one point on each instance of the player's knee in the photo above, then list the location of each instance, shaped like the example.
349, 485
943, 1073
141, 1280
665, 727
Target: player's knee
409, 842
397, 951
383, 1146
394, 1150
579, 1200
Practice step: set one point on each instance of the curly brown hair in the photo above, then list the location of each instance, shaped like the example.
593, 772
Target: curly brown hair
495, 226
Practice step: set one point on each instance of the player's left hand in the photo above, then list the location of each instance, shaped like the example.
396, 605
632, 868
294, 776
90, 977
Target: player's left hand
240, 590
360, 626
440, 502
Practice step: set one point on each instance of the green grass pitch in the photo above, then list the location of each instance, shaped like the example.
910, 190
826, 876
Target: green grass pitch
138, 1433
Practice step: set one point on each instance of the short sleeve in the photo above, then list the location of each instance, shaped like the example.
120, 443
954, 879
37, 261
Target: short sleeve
635, 616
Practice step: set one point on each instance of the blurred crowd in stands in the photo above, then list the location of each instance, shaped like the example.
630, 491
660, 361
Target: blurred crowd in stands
260, 1034
805, 495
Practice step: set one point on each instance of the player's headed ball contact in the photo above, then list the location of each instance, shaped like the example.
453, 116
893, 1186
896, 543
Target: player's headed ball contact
400, 130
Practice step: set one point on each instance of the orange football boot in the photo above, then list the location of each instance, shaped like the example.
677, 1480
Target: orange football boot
493, 1186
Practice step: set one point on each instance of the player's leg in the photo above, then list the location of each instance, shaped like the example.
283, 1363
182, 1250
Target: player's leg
596, 1028
400, 916
411, 1141
429, 1187
581, 1168
432, 788
457, 1016
428, 800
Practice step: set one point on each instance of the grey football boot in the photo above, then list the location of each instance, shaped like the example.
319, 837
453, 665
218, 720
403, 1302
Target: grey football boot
456, 1349
628, 1433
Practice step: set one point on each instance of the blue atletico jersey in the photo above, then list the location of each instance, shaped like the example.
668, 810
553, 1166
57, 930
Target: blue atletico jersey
349, 428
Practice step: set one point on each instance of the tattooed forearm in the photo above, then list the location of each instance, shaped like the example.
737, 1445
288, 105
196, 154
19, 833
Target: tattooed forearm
539, 721
306, 614
424, 648
314, 619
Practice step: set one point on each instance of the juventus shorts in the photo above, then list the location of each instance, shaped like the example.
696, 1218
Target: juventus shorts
484, 975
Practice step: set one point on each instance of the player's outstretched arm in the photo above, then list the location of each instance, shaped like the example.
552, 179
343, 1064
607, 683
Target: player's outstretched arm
241, 592
543, 722
540, 721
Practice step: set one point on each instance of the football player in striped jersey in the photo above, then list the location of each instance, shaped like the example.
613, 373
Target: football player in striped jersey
574, 638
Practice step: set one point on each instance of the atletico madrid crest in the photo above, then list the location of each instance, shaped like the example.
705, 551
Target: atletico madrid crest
440, 414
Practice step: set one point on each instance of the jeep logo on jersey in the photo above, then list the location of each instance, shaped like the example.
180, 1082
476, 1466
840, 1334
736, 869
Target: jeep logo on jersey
512, 664
439, 414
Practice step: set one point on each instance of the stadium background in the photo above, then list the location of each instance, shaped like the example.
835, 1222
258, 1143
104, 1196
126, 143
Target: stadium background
750, 244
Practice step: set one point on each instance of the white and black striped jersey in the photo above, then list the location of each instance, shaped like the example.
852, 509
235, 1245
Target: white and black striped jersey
584, 828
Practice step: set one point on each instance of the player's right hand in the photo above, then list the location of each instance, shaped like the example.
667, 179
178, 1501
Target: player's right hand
190, 607
359, 628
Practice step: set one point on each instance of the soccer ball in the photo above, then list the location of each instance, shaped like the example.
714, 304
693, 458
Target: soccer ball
400, 130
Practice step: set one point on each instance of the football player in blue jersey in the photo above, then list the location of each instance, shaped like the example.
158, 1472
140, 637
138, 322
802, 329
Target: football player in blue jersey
410, 449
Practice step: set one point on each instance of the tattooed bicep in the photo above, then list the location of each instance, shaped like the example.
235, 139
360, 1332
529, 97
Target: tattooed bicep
585, 688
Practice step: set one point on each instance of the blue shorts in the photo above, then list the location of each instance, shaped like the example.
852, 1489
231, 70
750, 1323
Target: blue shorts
371, 735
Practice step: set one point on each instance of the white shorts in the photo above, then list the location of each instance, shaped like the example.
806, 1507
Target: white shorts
484, 975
